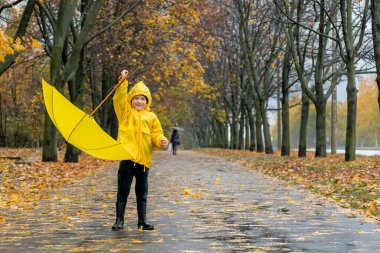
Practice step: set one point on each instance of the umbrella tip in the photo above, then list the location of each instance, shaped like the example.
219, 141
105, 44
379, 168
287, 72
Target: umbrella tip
62, 146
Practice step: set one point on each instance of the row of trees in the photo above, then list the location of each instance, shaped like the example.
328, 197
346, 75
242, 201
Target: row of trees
215, 65
368, 120
85, 46
292, 47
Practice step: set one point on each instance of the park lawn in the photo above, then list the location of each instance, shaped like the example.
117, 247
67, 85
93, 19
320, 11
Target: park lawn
24, 182
355, 185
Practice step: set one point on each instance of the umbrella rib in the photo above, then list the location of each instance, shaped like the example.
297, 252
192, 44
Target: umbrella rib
98, 148
72, 131
52, 109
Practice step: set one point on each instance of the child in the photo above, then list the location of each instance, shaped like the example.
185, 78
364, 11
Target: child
139, 130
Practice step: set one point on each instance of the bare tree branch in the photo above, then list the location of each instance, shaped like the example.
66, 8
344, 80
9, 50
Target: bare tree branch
10, 5
300, 24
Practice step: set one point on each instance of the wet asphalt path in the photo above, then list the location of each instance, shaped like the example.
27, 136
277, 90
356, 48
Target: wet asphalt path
198, 203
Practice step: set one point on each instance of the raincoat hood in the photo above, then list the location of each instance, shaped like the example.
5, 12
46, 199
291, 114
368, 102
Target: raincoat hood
140, 89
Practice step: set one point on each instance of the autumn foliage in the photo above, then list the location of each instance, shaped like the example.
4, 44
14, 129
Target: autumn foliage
24, 179
9, 46
163, 45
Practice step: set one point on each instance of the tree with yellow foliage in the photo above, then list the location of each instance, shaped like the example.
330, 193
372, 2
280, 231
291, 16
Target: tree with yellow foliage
368, 120
12, 45
161, 44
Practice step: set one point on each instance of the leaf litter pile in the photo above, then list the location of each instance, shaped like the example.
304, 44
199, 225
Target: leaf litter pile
355, 185
24, 179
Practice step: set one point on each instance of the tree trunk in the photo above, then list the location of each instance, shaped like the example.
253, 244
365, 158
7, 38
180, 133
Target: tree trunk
375, 11
61, 28
259, 135
285, 147
279, 119
247, 133
219, 134
49, 142
334, 94
351, 111
251, 122
350, 38
320, 149
72, 154
241, 130
303, 127
334, 112
231, 141
266, 127
234, 132
225, 134
319, 102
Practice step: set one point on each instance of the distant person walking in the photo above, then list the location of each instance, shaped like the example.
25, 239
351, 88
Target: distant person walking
175, 141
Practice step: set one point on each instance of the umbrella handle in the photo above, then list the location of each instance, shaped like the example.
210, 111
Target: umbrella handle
62, 146
109, 94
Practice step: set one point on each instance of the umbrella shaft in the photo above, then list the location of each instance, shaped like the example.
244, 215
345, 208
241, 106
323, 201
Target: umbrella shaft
105, 99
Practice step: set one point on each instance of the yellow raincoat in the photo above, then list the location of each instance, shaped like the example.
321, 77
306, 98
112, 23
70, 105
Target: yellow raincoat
138, 130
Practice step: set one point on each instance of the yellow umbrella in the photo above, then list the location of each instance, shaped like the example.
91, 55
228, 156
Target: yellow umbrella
79, 128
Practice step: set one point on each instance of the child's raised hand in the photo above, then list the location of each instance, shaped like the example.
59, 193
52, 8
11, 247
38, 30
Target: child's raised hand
124, 74
164, 143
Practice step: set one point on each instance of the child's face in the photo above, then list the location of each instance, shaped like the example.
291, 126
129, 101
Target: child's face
139, 102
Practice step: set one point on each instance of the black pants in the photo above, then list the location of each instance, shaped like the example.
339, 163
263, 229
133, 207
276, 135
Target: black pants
128, 170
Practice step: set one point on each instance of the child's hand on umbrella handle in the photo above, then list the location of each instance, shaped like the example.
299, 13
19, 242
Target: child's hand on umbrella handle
164, 143
123, 74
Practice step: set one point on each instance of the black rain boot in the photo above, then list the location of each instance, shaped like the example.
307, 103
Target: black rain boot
141, 212
120, 210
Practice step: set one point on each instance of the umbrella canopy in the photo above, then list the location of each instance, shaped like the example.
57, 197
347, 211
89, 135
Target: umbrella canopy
78, 128
177, 128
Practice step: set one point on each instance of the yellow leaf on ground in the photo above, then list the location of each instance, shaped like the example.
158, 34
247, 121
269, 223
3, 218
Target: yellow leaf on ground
196, 195
63, 217
186, 191
82, 212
